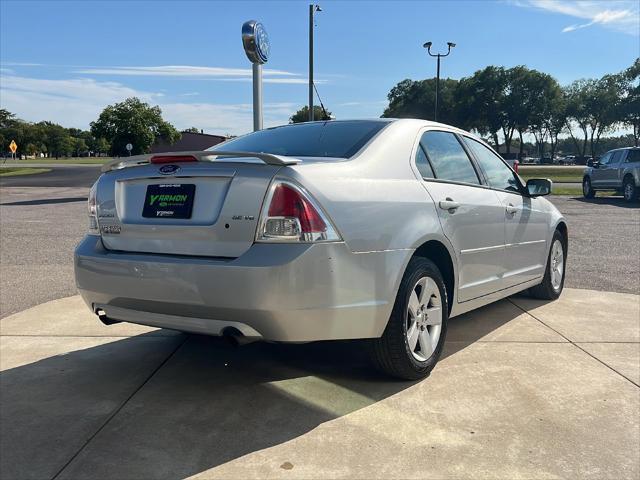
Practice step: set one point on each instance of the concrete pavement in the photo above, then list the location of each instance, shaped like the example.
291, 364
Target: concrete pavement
526, 389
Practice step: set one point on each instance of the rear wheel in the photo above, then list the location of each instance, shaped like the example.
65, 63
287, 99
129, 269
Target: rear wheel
553, 280
587, 189
414, 337
629, 189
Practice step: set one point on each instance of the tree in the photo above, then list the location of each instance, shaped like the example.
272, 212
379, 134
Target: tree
79, 146
135, 122
191, 130
594, 105
416, 99
480, 101
577, 113
629, 108
302, 115
556, 118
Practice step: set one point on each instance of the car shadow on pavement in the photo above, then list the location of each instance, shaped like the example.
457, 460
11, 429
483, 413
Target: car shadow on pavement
616, 201
208, 403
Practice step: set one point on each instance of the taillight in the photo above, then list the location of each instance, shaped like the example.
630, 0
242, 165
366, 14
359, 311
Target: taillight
516, 163
92, 206
290, 214
173, 158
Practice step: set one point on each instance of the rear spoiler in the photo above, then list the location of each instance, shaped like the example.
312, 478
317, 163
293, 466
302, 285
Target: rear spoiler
200, 156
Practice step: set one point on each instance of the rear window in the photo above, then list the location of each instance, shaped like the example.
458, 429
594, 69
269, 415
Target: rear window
340, 139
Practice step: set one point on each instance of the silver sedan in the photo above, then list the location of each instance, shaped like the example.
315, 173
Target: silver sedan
369, 229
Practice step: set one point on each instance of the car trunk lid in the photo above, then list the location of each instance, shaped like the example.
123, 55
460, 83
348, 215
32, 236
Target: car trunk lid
200, 208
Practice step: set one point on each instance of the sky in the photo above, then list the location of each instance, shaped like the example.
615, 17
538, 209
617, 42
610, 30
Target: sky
65, 61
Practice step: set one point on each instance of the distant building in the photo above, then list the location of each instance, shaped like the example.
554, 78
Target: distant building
188, 141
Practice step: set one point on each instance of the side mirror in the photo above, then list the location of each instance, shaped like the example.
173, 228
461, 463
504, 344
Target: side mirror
538, 187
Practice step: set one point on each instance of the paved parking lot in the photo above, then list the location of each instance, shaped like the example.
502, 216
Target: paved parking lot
39, 228
526, 389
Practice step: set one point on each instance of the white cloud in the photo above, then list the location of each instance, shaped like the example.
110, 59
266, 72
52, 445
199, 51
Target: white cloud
620, 15
363, 104
178, 71
77, 102
222, 119
287, 81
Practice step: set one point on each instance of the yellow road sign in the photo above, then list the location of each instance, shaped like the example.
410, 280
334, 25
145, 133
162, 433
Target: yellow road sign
13, 146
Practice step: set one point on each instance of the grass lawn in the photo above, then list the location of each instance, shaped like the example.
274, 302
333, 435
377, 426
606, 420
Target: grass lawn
577, 192
556, 174
71, 160
12, 172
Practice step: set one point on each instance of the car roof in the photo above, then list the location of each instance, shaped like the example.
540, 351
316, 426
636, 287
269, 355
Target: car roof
623, 148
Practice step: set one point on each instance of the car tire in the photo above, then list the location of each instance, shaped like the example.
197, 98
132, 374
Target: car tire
629, 189
413, 340
554, 275
587, 189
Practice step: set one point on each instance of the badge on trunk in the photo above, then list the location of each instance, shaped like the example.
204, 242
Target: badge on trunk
168, 169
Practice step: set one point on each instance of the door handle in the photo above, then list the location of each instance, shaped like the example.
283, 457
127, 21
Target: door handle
449, 204
511, 209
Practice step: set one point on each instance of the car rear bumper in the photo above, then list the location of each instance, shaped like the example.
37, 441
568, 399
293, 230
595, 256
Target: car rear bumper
289, 293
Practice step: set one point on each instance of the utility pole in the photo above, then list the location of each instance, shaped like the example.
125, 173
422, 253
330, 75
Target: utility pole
312, 9
438, 56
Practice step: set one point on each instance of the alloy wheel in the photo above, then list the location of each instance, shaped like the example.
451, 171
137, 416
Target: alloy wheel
557, 265
424, 319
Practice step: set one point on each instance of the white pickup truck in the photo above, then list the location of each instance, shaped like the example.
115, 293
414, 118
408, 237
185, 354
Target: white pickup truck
617, 170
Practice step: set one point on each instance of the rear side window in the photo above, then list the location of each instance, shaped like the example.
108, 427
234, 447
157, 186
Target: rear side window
340, 139
448, 158
498, 174
422, 162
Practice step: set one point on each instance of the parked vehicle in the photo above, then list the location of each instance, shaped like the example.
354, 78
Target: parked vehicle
514, 164
617, 170
370, 229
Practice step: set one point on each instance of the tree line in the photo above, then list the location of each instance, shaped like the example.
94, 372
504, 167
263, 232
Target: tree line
131, 121
504, 104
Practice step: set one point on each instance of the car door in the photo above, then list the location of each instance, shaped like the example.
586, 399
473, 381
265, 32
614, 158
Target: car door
526, 223
471, 215
605, 175
610, 172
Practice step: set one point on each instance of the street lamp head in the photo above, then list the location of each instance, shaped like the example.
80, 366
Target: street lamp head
451, 44
318, 8
427, 45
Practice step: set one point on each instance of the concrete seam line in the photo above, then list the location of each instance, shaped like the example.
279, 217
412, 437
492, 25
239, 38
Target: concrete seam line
117, 410
578, 346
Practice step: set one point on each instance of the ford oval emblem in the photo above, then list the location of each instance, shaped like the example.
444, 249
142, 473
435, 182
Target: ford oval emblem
169, 169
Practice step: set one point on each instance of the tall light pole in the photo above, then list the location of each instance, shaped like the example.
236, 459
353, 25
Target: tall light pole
438, 55
313, 8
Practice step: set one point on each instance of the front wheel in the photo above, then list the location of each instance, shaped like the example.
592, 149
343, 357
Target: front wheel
629, 189
587, 189
414, 337
553, 280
